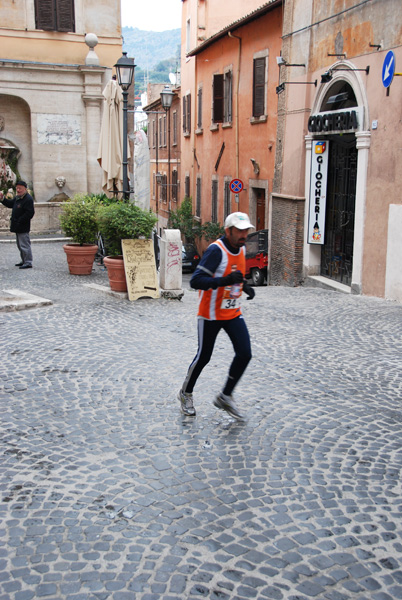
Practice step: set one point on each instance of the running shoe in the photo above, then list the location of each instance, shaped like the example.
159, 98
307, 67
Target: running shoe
226, 403
186, 404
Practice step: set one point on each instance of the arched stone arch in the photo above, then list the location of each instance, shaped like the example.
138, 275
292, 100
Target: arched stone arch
354, 79
16, 115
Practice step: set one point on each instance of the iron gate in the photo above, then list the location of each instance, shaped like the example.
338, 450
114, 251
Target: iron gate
337, 251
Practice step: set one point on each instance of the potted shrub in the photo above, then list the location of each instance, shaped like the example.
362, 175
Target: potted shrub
117, 222
78, 221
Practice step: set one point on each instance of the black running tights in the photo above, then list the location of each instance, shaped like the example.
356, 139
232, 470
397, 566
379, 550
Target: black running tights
207, 334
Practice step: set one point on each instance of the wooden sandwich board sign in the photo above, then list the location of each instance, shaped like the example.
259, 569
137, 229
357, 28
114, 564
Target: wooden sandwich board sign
140, 268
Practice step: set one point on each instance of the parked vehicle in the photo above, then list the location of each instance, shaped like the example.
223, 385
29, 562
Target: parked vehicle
257, 256
189, 257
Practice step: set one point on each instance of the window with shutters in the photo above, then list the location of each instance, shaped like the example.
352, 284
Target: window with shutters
198, 198
222, 97
55, 15
164, 188
164, 131
260, 86
160, 141
214, 201
217, 98
226, 198
187, 186
186, 102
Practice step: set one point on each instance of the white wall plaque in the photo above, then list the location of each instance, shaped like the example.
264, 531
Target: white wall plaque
59, 129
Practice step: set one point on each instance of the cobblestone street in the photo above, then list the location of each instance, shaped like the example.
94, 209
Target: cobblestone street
108, 493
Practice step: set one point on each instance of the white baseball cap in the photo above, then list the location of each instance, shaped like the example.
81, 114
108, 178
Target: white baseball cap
239, 220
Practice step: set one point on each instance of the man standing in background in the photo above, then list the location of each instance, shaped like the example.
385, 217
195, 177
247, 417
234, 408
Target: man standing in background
20, 223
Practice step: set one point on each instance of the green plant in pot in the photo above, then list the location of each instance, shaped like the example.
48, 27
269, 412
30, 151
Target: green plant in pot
78, 220
117, 222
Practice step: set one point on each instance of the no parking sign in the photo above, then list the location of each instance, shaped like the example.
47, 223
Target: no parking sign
236, 186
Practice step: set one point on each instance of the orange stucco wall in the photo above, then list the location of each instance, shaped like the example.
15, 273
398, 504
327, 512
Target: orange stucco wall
255, 140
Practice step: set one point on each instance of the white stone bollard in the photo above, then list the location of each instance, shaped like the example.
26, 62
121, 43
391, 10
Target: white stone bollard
170, 274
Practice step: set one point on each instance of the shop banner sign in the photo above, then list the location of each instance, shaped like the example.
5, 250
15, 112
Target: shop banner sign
318, 192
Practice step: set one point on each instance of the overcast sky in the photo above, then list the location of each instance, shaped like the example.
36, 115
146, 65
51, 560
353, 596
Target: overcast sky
151, 15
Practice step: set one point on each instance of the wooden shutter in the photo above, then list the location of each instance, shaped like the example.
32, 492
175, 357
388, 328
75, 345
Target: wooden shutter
217, 107
214, 212
188, 113
259, 87
184, 113
54, 15
227, 93
199, 112
174, 186
174, 128
45, 17
198, 198
65, 15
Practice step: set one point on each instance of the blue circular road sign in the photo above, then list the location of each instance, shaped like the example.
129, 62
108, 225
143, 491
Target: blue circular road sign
236, 186
388, 69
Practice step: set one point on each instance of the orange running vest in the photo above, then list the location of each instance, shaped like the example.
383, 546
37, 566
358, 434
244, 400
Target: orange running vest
223, 303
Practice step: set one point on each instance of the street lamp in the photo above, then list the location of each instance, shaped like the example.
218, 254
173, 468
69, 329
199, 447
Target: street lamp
125, 72
166, 101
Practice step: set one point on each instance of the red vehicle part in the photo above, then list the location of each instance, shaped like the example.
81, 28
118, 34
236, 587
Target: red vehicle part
257, 256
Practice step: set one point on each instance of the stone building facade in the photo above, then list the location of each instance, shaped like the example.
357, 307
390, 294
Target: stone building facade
55, 59
339, 143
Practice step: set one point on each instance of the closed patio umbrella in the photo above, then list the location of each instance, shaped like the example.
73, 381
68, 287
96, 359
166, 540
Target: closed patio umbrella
110, 150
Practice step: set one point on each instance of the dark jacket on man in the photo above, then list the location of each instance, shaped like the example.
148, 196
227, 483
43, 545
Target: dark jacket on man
21, 214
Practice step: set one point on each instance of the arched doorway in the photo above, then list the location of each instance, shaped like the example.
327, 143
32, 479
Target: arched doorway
337, 250
339, 121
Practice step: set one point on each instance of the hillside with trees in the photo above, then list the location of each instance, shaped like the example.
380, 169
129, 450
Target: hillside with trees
156, 54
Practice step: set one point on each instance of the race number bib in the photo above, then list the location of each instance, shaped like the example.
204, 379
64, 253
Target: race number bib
231, 298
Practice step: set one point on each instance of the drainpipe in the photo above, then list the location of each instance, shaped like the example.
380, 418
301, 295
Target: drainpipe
237, 104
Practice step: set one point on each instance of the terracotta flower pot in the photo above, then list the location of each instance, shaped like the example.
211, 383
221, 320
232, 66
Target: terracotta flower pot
116, 273
80, 258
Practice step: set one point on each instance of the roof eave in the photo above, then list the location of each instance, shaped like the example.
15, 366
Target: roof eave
235, 25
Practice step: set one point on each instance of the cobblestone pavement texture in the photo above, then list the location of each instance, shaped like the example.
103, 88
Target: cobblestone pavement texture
107, 492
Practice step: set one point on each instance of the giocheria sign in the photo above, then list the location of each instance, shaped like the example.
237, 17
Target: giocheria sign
337, 121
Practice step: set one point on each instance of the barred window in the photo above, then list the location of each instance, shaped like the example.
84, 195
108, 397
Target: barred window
226, 199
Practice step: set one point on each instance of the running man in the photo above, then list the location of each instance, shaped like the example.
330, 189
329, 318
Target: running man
219, 278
